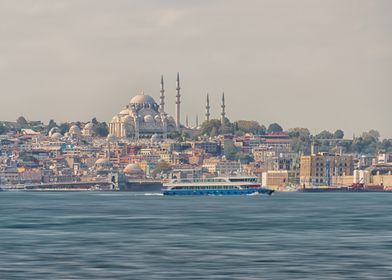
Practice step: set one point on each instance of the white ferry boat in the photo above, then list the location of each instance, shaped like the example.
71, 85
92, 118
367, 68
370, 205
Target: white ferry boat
244, 185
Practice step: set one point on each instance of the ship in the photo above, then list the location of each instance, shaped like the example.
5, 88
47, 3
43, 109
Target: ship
244, 185
356, 187
142, 185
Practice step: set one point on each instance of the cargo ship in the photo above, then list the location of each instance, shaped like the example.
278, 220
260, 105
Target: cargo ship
216, 186
358, 187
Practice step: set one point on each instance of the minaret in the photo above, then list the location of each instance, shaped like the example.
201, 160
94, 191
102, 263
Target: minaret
197, 120
223, 113
162, 97
208, 108
178, 102
186, 121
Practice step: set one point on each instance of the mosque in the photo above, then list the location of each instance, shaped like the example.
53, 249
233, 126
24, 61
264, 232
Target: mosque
144, 118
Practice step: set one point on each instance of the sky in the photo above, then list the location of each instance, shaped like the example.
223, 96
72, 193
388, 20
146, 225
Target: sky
303, 63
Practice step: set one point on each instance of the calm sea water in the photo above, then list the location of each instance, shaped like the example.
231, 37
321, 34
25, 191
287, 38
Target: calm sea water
129, 236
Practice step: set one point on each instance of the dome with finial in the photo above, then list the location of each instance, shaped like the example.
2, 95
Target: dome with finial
133, 169
56, 136
53, 130
141, 99
74, 130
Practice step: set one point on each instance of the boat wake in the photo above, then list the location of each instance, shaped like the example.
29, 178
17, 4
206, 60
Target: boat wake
153, 194
254, 194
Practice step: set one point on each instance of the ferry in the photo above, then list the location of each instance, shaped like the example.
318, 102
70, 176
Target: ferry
215, 186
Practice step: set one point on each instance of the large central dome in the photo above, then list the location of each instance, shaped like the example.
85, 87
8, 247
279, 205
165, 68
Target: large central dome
142, 99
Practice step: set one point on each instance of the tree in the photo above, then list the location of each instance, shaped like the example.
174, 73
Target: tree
248, 127
214, 132
325, 134
230, 150
210, 126
94, 121
21, 121
3, 129
173, 135
371, 135
101, 129
274, 127
162, 167
300, 139
64, 127
339, 134
51, 124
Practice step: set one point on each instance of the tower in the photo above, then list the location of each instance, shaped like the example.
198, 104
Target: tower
197, 120
186, 121
178, 102
223, 113
208, 109
162, 97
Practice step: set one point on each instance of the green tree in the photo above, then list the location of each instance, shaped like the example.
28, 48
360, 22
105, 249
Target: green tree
339, 134
3, 129
300, 140
162, 167
51, 124
22, 122
274, 127
94, 121
208, 127
101, 129
230, 150
214, 132
64, 127
325, 134
247, 127
173, 135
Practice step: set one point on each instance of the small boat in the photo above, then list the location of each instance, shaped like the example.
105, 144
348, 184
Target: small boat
244, 185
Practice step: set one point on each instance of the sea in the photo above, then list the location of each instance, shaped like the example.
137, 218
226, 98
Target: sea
122, 235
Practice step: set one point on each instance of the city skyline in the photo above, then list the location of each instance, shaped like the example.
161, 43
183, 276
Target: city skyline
321, 65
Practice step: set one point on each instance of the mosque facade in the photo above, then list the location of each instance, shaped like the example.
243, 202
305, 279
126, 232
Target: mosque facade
142, 117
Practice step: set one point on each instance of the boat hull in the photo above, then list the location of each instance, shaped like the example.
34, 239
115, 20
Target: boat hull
142, 186
249, 191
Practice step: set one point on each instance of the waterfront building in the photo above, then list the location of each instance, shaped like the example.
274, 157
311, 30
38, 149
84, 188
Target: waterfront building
320, 169
275, 179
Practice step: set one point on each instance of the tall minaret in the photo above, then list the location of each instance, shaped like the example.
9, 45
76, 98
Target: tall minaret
208, 108
197, 120
178, 102
223, 113
162, 97
186, 121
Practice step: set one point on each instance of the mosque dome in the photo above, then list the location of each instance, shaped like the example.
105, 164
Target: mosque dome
155, 138
56, 135
133, 169
157, 118
89, 126
142, 99
148, 119
126, 119
74, 130
111, 138
124, 112
103, 163
53, 130
115, 119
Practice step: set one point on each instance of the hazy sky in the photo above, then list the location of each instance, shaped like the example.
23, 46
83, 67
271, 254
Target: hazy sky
303, 63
